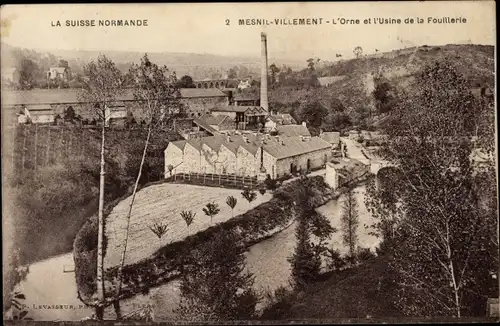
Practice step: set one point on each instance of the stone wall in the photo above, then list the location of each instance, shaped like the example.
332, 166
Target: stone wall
316, 160
197, 106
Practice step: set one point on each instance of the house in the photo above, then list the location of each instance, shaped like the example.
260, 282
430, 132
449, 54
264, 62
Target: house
115, 116
293, 130
11, 76
331, 137
244, 84
60, 73
344, 171
219, 122
244, 117
274, 120
41, 113
246, 98
250, 154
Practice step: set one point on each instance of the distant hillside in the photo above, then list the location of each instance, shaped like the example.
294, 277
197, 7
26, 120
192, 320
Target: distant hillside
199, 66
475, 62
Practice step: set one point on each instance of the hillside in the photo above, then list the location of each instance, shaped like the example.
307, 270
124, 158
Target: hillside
199, 66
475, 62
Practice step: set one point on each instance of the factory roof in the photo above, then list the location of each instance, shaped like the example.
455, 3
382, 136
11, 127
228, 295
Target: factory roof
282, 119
332, 137
292, 146
293, 130
70, 95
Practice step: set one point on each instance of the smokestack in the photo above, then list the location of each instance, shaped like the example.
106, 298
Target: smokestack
263, 72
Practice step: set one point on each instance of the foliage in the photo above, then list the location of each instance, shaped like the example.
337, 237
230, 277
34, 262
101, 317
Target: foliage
231, 202
262, 191
188, 217
249, 195
312, 112
159, 229
350, 222
304, 261
215, 286
440, 227
186, 82
358, 52
270, 183
384, 95
211, 209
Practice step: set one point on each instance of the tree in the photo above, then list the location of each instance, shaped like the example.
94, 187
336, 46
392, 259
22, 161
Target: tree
188, 217
159, 229
130, 122
186, 82
383, 95
102, 85
152, 87
27, 71
211, 210
274, 70
232, 73
63, 64
310, 64
312, 112
445, 246
249, 195
69, 114
350, 222
358, 52
215, 285
305, 261
231, 202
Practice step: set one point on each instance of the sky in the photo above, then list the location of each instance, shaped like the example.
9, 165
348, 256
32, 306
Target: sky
201, 28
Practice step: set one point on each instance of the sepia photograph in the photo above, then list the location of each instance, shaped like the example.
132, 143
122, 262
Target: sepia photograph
250, 163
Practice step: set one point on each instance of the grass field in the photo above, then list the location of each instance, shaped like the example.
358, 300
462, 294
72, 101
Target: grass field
163, 204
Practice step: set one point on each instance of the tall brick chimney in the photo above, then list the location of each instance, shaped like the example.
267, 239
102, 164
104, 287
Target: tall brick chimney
263, 73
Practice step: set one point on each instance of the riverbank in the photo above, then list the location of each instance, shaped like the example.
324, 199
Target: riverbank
165, 264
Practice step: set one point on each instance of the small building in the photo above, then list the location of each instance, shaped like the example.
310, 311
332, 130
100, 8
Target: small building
246, 98
219, 122
244, 117
59, 73
11, 76
243, 84
115, 116
37, 113
344, 171
293, 130
274, 120
332, 137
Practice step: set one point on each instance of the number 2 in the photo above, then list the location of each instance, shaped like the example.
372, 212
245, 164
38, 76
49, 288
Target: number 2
227, 21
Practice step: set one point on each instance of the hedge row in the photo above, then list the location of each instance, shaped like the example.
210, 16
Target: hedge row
167, 263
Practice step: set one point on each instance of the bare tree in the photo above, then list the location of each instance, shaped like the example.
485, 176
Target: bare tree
102, 84
155, 90
358, 51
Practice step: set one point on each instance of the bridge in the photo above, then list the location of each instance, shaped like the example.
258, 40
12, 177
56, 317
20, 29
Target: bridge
211, 83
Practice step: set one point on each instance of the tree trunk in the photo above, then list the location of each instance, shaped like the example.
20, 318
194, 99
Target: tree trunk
47, 155
118, 311
36, 147
122, 261
100, 237
99, 312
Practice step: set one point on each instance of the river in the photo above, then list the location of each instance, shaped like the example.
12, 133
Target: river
47, 284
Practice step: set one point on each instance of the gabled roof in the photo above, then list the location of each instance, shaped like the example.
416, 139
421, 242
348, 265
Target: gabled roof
293, 146
42, 109
332, 137
213, 120
204, 125
249, 110
180, 144
283, 119
293, 130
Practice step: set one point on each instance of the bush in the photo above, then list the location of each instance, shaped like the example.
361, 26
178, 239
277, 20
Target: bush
364, 255
167, 262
